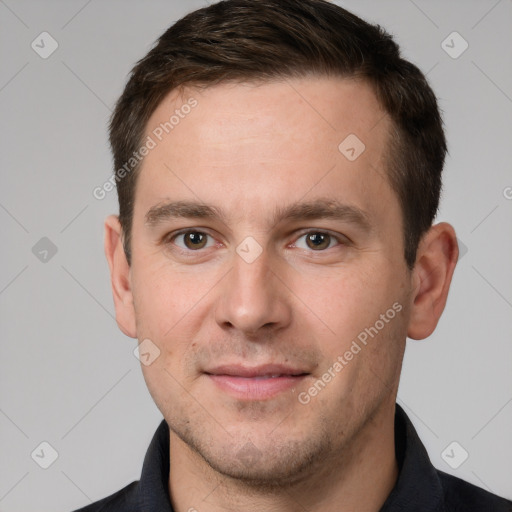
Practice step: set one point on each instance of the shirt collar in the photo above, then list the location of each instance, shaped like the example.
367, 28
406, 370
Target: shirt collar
418, 486
153, 490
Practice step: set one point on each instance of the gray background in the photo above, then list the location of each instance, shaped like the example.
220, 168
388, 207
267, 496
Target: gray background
68, 376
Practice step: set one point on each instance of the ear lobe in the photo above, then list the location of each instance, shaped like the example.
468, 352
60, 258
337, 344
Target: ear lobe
120, 278
435, 262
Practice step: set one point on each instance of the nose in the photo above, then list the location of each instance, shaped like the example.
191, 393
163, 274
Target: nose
253, 298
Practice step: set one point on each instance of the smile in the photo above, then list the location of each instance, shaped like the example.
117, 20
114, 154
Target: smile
258, 383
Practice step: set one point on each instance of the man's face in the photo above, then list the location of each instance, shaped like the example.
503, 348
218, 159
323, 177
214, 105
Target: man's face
260, 252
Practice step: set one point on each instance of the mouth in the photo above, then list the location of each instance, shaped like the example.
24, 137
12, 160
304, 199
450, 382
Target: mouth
256, 383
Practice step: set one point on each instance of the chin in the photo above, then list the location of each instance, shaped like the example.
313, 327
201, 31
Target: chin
274, 465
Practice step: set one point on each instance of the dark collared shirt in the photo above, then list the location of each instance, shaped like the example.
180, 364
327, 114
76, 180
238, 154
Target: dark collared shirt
420, 486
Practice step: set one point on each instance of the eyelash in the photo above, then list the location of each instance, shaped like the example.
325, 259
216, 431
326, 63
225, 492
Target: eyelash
171, 238
340, 239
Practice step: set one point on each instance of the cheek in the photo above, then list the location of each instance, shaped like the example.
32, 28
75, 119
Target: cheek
347, 299
359, 315
172, 371
170, 308
163, 297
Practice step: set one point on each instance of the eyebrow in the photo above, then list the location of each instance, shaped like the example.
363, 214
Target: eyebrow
317, 209
180, 209
323, 209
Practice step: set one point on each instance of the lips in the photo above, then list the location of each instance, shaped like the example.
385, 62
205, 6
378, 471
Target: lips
266, 370
256, 383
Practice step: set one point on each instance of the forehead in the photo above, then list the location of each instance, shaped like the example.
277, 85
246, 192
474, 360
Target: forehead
254, 146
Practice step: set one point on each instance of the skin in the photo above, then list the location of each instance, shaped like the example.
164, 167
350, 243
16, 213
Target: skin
250, 151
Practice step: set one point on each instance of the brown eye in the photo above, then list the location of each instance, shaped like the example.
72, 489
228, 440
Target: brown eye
318, 241
194, 240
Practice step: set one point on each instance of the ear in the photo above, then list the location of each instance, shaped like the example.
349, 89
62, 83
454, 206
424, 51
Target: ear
437, 256
120, 276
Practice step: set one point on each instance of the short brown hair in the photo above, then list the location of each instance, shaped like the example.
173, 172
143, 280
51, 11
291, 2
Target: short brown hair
255, 40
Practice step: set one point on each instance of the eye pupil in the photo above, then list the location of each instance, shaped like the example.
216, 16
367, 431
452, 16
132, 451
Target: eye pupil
318, 240
195, 240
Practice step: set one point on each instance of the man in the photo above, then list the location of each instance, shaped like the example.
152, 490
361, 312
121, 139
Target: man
278, 167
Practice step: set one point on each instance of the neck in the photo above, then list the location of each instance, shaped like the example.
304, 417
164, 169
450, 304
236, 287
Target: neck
359, 478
